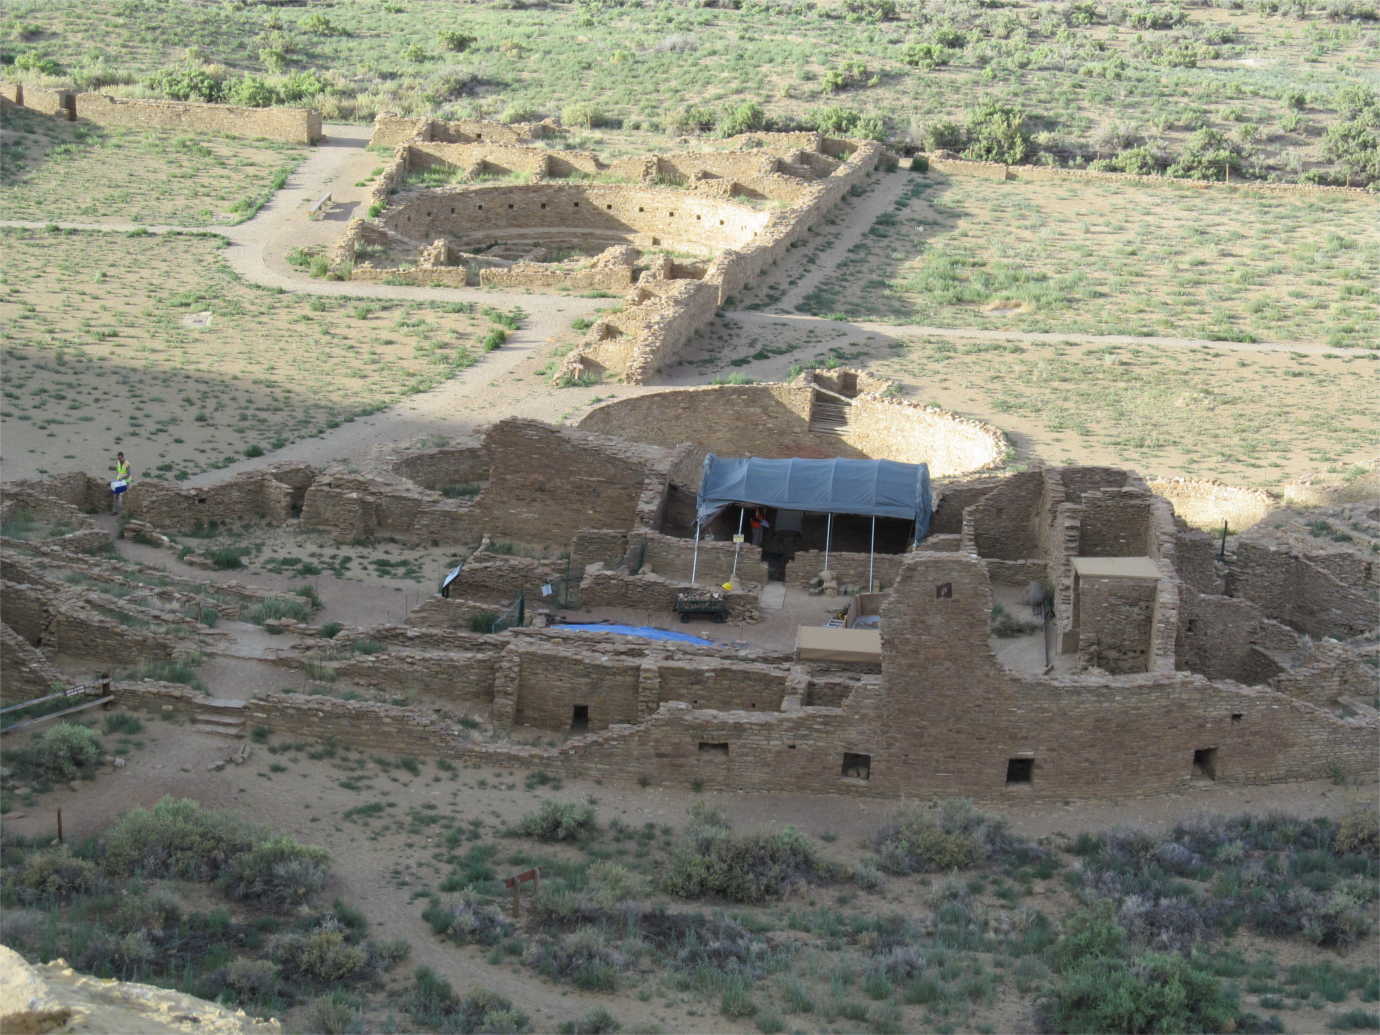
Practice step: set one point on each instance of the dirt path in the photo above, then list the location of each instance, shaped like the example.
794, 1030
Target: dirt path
861, 215
795, 323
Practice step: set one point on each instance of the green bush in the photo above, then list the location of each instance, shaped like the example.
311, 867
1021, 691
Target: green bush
56, 876
123, 722
469, 919
176, 838
456, 41
749, 869
596, 1022
274, 608
1358, 832
226, 558
188, 83
559, 821
998, 133
1155, 992
586, 958
59, 754
277, 872
435, 1007
747, 117
323, 956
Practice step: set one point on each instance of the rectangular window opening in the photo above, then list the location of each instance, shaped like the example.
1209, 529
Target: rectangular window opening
856, 766
714, 748
579, 718
1205, 764
1019, 770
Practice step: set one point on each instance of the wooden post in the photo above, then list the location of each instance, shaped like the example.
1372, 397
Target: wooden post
59, 826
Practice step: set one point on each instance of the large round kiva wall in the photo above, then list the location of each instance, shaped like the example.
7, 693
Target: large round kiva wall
474, 217
775, 420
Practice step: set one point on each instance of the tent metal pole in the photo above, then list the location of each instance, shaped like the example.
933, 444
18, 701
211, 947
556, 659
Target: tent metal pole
737, 546
872, 556
828, 537
695, 560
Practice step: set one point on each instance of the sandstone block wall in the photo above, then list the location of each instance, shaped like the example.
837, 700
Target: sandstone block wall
297, 125
28, 673
547, 484
673, 559
1115, 523
1300, 592
1003, 522
273, 494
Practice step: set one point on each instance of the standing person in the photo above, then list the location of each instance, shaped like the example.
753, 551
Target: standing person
120, 484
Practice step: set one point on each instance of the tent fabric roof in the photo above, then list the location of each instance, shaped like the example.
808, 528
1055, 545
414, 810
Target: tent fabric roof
886, 488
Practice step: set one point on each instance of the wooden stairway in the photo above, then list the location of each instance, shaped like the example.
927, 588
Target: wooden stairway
828, 416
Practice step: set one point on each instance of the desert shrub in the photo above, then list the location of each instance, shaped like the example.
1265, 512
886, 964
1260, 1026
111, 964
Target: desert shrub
840, 121
251, 978
456, 41
610, 884
750, 869
59, 754
323, 956
1101, 987
582, 115
56, 876
596, 1022
585, 958
449, 83
330, 630
1358, 832
944, 136
694, 119
226, 558
277, 608
277, 872
926, 54
470, 919
188, 83
747, 117
558, 821
332, 1014
1208, 155
435, 1007
1355, 1020
493, 339
915, 841
33, 61
176, 838
998, 133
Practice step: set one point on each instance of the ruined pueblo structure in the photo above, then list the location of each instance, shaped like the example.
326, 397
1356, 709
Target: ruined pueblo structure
1144, 660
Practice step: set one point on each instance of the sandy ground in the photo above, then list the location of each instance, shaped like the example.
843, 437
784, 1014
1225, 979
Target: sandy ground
379, 874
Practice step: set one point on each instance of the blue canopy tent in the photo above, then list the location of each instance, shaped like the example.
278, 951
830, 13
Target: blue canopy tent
879, 488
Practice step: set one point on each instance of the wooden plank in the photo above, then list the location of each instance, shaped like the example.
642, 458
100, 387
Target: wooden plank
57, 715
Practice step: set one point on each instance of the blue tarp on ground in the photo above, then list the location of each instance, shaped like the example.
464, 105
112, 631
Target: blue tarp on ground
886, 488
646, 632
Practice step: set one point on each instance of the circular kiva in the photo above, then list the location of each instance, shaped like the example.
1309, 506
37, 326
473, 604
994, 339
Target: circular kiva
1202, 503
579, 218
802, 418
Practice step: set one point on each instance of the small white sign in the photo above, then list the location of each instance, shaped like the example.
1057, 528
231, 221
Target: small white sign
738, 539
546, 589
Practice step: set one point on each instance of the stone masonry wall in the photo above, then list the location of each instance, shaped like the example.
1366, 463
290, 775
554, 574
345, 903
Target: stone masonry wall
297, 125
1291, 588
548, 483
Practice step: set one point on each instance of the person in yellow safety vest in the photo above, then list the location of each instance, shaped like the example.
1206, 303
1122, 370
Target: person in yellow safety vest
121, 482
